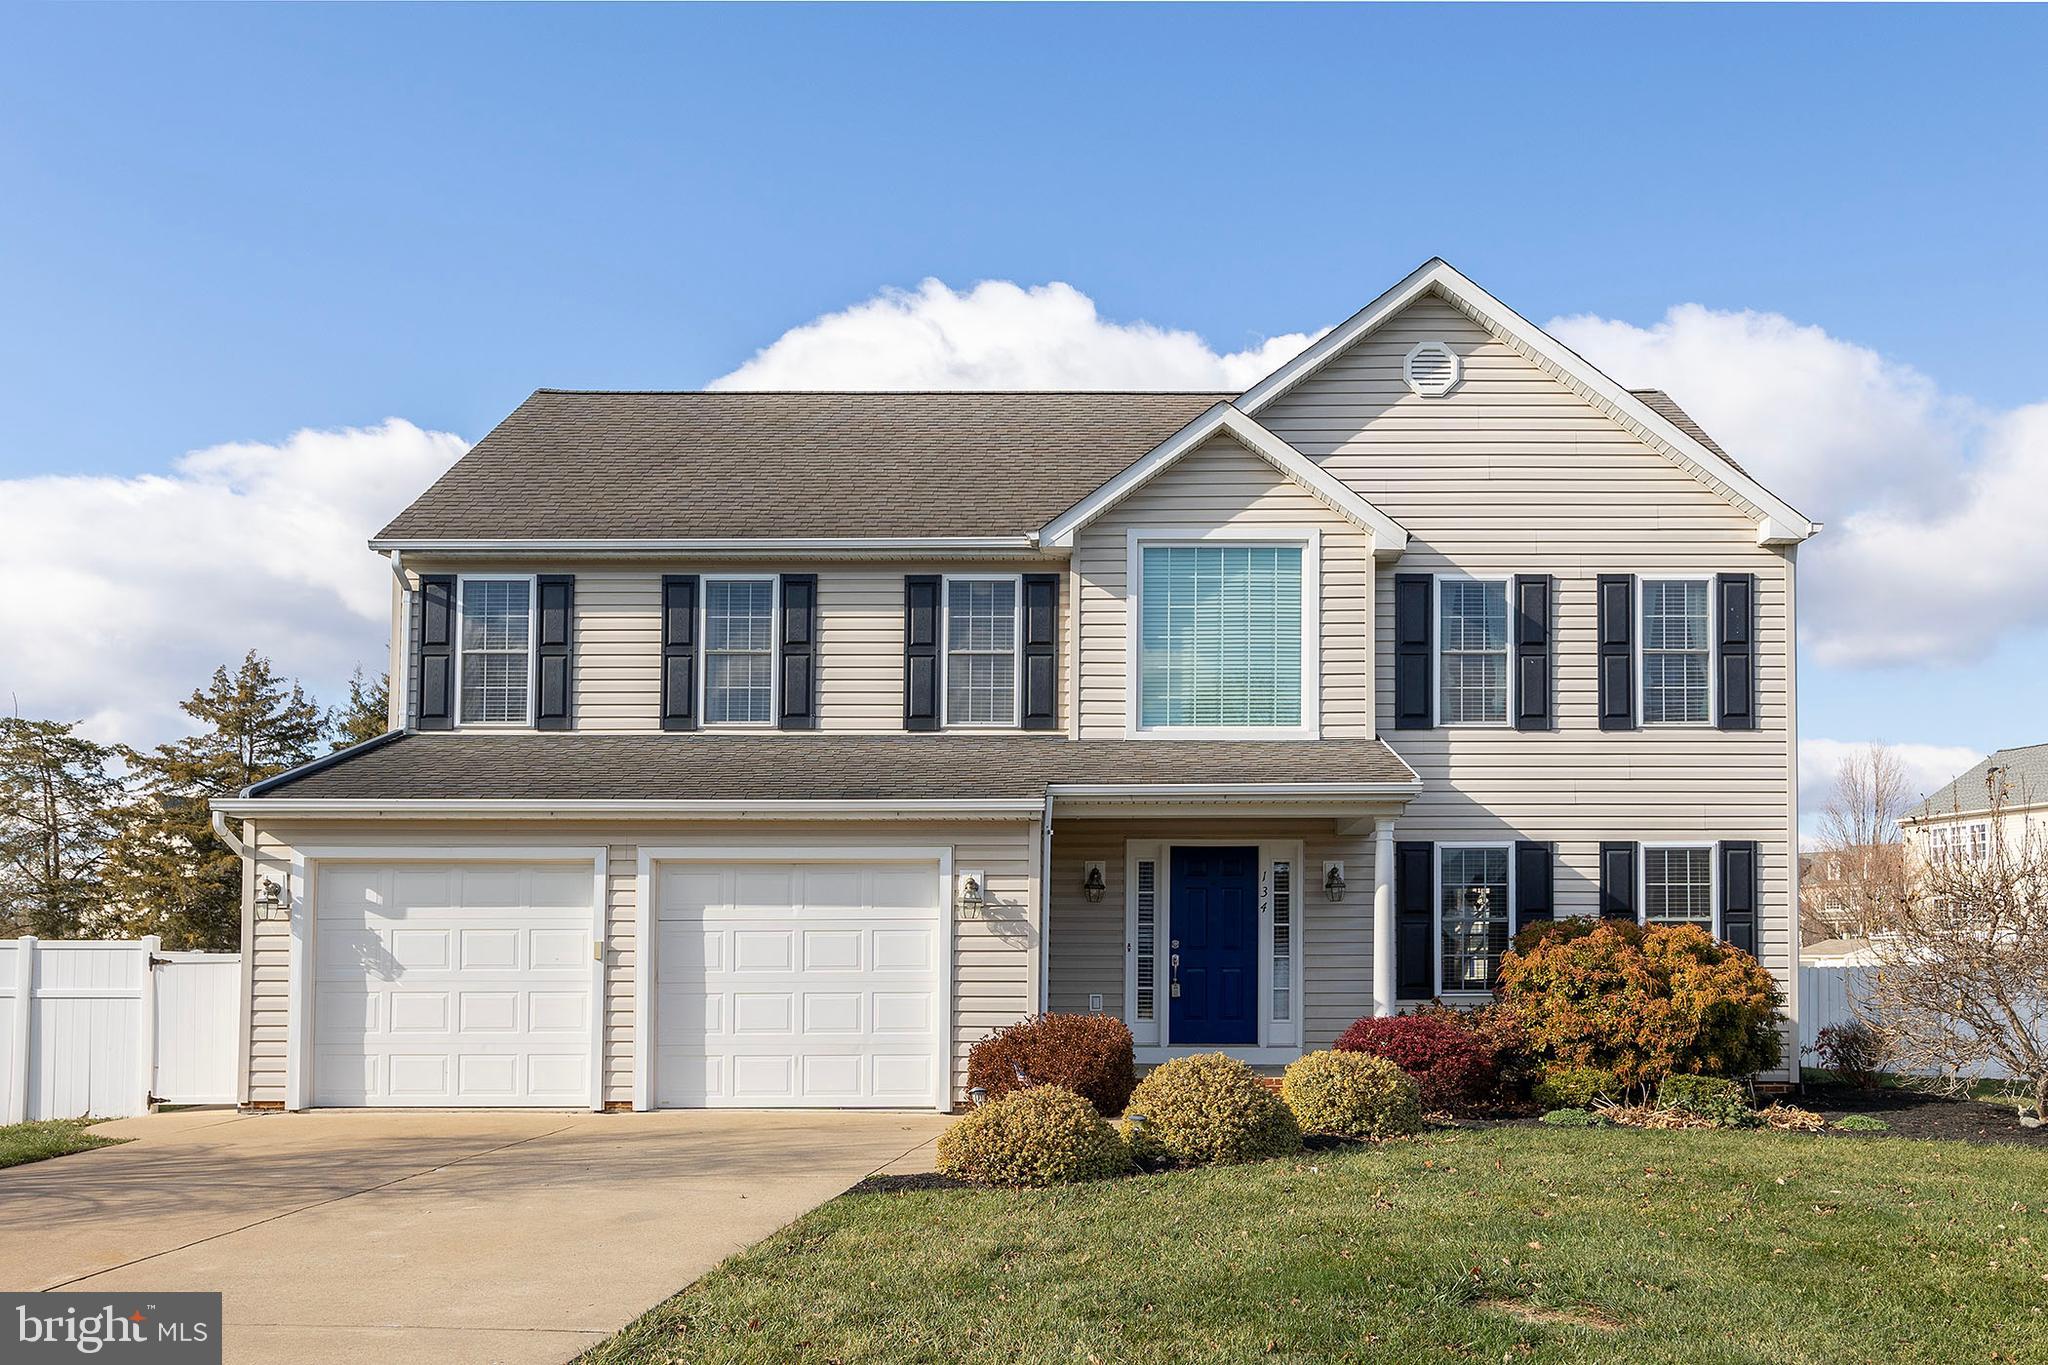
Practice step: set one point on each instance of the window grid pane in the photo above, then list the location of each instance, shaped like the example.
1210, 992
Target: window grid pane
496, 619
1220, 640
739, 652
1676, 646
981, 658
1472, 667
1678, 886
1473, 916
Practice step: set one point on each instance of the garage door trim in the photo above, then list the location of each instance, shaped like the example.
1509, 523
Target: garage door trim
941, 859
305, 864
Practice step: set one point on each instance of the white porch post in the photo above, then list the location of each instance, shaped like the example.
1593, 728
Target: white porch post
1383, 988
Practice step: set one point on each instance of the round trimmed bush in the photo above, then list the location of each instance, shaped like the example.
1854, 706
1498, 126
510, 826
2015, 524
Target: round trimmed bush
1454, 1065
1576, 1087
1351, 1095
1040, 1136
1643, 1003
1089, 1054
1206, 1108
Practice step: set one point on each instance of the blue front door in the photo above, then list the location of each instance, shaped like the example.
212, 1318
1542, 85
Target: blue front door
1213, 936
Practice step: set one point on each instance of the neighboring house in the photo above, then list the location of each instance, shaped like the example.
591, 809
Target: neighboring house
770, 749
1956, 819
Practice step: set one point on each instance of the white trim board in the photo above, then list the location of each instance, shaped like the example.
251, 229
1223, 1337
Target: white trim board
1389, 538
1779, 523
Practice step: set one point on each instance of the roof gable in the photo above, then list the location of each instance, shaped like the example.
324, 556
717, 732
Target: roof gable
1389, 538
1660, 423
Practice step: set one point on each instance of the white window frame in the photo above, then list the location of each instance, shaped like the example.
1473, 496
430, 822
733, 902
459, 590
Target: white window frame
1016, 720
1713, 879
705, 581
1279, 1040
1436, 653
462, 582
1641, 635
1310, 542
1436, 912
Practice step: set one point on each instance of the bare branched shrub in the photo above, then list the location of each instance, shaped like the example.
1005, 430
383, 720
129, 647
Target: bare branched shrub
1961, 984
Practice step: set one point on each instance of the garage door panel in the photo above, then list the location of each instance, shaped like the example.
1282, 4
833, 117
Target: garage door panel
452, 984
825, 997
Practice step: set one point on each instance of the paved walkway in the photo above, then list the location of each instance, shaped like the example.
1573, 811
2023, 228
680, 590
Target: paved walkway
453, 1237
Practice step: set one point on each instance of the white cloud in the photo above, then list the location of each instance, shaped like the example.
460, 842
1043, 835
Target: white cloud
132, 590
1933, 504
998, 335
1927, 766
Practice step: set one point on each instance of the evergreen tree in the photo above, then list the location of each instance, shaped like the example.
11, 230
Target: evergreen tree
56, 804
368, 713
172, 874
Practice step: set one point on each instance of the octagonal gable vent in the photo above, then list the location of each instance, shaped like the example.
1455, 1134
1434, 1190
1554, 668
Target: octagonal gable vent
1431, 369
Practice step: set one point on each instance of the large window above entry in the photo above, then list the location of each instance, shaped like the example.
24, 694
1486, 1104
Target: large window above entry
495, 646
1224, 636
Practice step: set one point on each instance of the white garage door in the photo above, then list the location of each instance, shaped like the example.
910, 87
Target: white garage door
452, 984
804, 984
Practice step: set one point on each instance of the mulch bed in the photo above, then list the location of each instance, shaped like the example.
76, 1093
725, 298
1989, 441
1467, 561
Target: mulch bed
1915, 1115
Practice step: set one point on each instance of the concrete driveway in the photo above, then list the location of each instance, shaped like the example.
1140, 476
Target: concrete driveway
451, 1237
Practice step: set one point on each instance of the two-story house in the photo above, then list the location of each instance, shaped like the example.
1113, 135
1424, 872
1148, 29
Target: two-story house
771, 748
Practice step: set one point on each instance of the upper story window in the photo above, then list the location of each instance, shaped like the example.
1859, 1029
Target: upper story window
1678, 885
739, 651
1677, 647
981, 650
1472, 651
1473, 916
495, 644
1225, 636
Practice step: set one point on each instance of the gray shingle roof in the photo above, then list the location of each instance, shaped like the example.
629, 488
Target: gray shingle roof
2025, 781
578, 465
659, 767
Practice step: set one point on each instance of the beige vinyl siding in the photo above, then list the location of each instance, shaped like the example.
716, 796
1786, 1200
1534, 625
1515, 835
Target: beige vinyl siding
1217, 485
860, 636
995, 951
1515, 473
1086, 940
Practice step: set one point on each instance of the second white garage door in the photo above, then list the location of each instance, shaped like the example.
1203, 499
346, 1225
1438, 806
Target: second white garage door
812, 984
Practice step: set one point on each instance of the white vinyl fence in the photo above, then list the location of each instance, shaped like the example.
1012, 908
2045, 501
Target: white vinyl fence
1825, 994
108, 1028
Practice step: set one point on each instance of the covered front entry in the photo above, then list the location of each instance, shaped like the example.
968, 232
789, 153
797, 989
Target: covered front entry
1213, 946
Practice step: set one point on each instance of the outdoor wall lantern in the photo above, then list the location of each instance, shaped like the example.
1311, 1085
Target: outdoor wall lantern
1093, 883
1333, 881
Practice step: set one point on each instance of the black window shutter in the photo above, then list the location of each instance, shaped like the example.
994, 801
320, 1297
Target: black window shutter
1532, 651
797, 651
1041, 651
1414, 920
1735, 649
434, 652
1412, 710
554, 652
1618, 881
1617, 611
1740, 861
679, 651
921, 652
1534, 900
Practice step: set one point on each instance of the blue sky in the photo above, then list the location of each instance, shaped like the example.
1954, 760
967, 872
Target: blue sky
225, 225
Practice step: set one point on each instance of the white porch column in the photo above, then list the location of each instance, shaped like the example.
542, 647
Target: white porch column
1383, 987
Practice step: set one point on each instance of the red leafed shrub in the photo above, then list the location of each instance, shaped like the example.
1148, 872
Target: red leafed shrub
1089, 1054
1455, 1064
1643, 1003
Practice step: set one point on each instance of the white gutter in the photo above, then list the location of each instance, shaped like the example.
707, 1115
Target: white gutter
516, 808
719, 545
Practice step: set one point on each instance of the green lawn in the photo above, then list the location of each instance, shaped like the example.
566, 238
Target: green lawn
42, 1139
1506, 1245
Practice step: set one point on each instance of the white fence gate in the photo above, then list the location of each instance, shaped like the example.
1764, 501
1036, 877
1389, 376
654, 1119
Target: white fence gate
108, 1028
